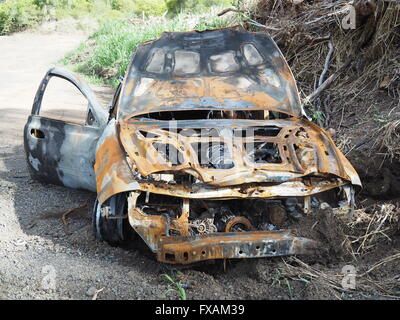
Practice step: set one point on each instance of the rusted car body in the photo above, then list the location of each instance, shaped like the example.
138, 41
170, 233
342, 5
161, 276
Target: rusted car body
205, 150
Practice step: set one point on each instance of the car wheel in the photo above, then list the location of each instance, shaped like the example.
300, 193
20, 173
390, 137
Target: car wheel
109, 223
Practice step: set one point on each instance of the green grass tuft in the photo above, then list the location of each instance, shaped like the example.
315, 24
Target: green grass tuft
178, 286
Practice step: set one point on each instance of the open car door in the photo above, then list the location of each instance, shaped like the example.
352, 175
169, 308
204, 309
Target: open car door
62, 131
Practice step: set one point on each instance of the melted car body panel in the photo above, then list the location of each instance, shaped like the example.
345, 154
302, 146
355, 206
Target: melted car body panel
227, 68
61, 152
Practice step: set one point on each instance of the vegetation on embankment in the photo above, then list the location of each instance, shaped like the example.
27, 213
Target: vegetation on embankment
106, 54
17, 15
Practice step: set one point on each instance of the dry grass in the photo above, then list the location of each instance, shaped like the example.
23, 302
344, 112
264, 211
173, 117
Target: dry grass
365, 232
332, 280
305, 31
369, 229
387, 139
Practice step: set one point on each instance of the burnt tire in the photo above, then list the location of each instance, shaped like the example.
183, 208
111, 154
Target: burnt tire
111, 227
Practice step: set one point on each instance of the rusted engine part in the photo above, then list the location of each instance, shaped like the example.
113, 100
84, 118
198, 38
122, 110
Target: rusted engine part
210, 216
213, 229
235, 215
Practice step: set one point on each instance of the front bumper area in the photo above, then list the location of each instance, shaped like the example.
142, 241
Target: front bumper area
252, 244
183, 247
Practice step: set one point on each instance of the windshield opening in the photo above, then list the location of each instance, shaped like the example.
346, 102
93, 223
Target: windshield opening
213, 114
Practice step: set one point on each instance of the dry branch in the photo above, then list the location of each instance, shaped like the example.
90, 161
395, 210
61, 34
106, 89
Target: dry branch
382, 262
327, 63
68, 212
231, 9
255, 23
326, 83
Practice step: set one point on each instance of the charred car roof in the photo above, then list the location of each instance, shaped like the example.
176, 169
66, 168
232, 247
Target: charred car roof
222, 69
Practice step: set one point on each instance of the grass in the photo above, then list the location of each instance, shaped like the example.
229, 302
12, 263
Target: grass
105, 55
17, 15
280, 279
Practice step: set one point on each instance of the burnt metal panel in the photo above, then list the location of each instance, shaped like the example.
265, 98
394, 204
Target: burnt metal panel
60, 152
64, 155
114, 174
229, 245
325, 158
268, 85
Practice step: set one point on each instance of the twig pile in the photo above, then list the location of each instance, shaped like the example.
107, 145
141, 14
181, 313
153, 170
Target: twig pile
371, 228
333, 65
333, 280
365, 231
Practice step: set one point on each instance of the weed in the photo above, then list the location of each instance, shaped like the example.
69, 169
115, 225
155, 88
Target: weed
318, 117
179, 287
279, 279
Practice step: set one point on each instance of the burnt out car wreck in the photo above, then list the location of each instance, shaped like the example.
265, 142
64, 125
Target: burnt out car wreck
205, 150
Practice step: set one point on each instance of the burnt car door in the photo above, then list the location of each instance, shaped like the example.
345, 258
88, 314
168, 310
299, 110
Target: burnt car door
60, 140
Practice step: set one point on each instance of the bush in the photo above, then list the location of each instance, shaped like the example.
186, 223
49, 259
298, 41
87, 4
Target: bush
18, 14
194, 6
148, 7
